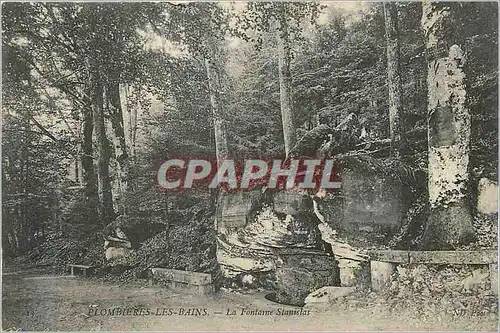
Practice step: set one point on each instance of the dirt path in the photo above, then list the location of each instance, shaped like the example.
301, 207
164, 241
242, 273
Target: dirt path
50, 302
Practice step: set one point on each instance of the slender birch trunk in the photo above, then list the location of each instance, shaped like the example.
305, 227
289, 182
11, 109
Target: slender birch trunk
449, 128
285, 78
214, 88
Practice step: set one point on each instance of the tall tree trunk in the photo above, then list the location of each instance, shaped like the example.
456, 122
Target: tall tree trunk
105, 206
78, 157
214, 88
213, 69
396, 112
25, 167
133, 128
285, 78
89, 176
450, 220
116, 115
132, 113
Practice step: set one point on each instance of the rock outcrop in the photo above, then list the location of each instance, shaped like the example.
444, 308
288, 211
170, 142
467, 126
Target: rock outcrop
286, 222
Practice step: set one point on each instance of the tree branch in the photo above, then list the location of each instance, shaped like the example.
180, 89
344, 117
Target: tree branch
44, 130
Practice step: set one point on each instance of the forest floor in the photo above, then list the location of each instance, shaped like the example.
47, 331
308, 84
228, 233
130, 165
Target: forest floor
40, 300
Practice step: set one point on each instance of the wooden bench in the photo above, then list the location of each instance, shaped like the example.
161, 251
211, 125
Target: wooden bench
383, 263
83, 268
199, 283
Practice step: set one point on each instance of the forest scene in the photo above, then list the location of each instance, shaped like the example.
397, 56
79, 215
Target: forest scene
401, 96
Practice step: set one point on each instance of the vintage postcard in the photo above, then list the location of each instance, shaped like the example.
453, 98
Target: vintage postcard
249, 166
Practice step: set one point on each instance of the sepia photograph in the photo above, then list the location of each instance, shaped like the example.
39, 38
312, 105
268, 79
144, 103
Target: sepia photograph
249, 166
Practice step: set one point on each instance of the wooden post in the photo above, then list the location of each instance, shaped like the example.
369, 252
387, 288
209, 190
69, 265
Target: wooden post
381, 274
494, 278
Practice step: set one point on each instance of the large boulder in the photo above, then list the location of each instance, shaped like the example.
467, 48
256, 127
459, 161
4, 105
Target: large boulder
370, 208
